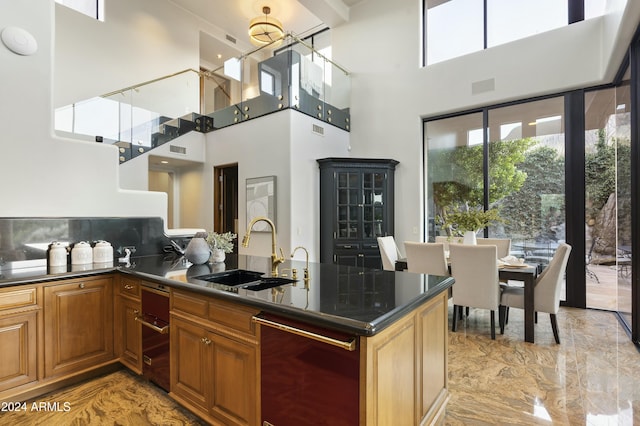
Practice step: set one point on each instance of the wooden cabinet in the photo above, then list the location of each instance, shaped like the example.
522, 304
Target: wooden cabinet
214, 359
19, 312
405, 380
128, 331
356, 207
78, 325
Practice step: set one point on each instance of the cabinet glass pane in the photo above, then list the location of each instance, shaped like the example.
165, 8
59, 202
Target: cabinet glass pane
378, 213
343, 196
378, 179
353, 196
342, 213
377, 230
378, 197
343, 180
342, 230
353, 180
368, 214
353, 214
368, 196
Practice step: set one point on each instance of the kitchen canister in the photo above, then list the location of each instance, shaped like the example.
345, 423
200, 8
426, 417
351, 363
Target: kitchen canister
102, 252
57, 254
81, 253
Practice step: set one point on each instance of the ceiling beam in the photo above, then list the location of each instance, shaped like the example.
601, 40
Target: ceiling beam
332, 12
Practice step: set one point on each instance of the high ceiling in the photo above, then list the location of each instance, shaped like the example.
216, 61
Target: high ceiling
231, 18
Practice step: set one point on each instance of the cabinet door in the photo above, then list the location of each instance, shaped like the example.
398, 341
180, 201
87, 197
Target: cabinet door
129, 334
190, 363
18, 355
374, 204
348, 187
78, 325
235, 381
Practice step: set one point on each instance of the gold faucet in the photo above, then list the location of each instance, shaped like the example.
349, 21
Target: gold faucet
306, 278
275, 260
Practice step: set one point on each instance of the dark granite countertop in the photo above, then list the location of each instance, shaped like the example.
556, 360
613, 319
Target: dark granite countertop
359, 301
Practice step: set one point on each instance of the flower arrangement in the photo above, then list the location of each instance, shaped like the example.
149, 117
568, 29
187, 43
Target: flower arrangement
472, 219
222, 242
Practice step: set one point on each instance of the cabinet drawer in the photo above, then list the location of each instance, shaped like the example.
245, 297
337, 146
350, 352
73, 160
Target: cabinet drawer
236, 317
18, 298
130, 287
348, 246
189, 304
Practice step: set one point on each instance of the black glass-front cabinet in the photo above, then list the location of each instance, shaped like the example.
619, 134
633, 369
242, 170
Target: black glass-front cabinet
356, 207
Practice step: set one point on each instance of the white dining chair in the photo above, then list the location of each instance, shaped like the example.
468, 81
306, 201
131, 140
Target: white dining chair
426, 258
475, 271
503, 245
388, 252
446, 240
546, 291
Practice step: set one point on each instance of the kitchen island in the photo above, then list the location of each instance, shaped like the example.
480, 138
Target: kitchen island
390, 329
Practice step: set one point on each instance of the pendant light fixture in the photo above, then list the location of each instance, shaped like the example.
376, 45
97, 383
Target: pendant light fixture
264, 29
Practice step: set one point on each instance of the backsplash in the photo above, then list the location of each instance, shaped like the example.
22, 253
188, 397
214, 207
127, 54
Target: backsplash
26, 239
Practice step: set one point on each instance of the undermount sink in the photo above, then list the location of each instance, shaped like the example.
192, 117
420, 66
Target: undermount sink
268, 282
232, 277
247, 280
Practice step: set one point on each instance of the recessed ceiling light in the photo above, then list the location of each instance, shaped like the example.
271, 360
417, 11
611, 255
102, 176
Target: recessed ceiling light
164, 162
219, 55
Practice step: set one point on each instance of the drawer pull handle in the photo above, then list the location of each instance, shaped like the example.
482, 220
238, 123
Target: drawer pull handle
81, 285
349, 346
161, 330
128, 287
206, 341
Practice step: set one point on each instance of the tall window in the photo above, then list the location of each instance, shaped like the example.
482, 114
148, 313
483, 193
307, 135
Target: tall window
92, 8
509, 20
608, 198
524, 168
458, 27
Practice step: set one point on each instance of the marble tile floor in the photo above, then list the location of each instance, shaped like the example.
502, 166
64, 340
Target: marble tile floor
591, 378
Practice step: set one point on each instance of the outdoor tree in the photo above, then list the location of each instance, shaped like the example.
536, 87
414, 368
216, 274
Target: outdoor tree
464, 187
538, 205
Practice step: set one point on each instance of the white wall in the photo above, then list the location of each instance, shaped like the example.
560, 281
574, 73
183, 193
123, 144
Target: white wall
43, 175
391, 93
138, 41
306, 148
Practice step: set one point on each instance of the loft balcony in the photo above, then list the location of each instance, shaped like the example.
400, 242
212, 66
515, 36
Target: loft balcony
264, 81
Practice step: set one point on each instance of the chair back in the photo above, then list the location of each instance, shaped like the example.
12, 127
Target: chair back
446, 240
549, 282
388, 252
426, 258
475, 270
503, 245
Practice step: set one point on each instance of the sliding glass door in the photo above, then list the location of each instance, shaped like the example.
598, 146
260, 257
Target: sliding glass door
509, 158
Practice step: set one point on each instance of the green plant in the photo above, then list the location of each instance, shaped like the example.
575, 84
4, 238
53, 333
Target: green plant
223, 242
472, 219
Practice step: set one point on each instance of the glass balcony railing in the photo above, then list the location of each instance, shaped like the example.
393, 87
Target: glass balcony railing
261, 82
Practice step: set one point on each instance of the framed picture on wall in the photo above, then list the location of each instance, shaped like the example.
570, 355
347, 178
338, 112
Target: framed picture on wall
261, 201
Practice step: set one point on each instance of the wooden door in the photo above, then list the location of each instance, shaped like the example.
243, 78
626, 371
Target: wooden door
78, 325
234, 381
18, 359
190, 363
129, 334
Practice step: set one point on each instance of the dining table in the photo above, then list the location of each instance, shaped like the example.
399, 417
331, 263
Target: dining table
523, 273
